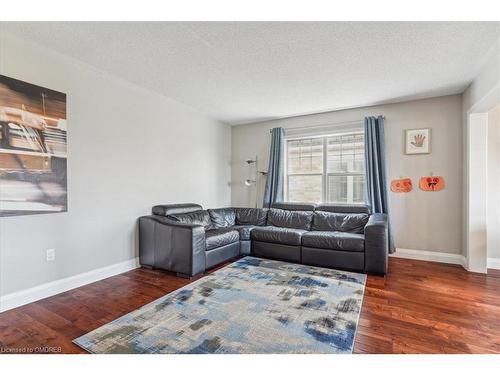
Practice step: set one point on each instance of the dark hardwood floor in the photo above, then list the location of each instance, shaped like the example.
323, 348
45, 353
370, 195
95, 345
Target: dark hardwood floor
420, 307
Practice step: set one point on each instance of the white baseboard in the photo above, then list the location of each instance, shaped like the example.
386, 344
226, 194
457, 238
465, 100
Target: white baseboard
16, 299
431, 256
494, 263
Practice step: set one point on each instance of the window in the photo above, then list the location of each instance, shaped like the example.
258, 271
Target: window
326, 169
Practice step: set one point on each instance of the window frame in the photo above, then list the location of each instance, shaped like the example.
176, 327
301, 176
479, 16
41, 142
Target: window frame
325, 174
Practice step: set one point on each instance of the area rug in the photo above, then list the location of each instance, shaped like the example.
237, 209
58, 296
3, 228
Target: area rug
250, 306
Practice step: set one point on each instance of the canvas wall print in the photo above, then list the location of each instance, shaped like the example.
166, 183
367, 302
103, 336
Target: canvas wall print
33, 149
417, 141
431, 183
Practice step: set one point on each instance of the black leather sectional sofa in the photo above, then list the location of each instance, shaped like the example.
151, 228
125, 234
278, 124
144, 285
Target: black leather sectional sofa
186, 239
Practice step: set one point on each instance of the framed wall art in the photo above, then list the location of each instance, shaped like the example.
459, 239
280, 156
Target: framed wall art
33, 140
418, 141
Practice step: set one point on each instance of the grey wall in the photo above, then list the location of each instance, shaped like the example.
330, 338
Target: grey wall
422, 220
128, 149
481, 96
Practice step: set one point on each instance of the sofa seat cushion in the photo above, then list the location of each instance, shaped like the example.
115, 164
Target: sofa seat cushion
215, 238
339, 222
244, 231
334, 240
285, 236
289, 219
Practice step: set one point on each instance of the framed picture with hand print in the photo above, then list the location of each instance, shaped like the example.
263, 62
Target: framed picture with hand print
417, 141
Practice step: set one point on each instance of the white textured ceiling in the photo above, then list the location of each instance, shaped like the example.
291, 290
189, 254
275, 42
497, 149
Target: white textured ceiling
240, 72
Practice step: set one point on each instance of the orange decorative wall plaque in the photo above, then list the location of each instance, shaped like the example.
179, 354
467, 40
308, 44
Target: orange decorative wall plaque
432, 183
403, 185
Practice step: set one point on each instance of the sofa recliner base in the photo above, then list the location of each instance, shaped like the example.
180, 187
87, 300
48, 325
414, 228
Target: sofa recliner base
287, 253
245, 247
347, 260
222, 254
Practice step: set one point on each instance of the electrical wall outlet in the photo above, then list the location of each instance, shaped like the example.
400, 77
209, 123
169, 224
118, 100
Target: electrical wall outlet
51, 255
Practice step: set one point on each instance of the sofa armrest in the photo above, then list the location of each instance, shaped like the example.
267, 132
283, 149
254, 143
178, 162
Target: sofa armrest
376, 244
171, 246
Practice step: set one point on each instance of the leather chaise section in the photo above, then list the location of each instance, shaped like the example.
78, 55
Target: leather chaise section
289, 219
220, 237
334, 240
285, 236
327, 221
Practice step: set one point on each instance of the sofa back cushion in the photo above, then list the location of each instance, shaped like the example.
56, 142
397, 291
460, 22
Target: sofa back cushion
200, 217
251, 216
222, 217
344, 208
329, 221
294, 206
289, 219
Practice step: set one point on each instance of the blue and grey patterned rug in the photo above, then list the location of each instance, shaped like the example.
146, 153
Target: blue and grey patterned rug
251, 306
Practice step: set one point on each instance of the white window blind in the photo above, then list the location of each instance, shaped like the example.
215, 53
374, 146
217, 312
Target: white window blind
327, 168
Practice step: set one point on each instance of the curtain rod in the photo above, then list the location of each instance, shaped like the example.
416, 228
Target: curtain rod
325, 125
